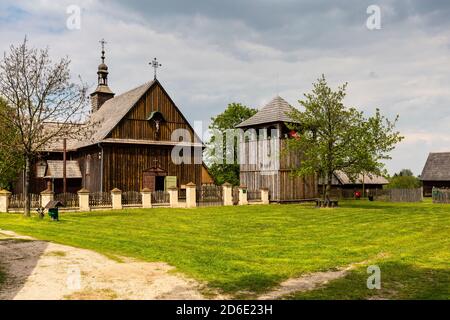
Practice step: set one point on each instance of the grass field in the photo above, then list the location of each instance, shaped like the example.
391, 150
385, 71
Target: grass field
253, 248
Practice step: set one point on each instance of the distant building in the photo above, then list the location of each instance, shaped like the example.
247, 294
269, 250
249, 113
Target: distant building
436, 172
340, 180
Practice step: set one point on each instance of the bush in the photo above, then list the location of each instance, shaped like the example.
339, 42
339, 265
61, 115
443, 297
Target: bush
404, 182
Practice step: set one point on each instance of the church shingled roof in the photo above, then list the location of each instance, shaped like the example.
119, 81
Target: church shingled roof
112, 111
277, 110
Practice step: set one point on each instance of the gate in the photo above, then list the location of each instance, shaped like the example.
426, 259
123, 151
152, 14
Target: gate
160, 197
69, 200
209, 195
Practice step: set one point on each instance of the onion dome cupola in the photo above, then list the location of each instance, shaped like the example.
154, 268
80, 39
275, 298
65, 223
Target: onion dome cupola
102, 93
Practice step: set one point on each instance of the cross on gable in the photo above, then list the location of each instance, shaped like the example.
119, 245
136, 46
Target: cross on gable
155, 65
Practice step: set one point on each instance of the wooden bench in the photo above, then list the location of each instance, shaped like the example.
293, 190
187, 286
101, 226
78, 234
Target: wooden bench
320, 203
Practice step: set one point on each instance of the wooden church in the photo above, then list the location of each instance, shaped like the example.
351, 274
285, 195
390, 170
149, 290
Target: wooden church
264, 162
130, 147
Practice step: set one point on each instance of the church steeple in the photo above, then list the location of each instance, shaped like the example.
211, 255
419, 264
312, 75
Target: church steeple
102, 93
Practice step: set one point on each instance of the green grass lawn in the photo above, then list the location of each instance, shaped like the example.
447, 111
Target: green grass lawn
253, 248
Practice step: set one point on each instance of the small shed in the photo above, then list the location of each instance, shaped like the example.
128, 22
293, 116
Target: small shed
436, 172
53, 170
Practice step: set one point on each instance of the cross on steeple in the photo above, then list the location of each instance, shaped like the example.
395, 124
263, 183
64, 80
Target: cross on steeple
103, 42
155, 65
155, 161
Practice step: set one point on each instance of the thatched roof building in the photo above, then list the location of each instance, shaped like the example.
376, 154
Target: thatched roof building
436, 172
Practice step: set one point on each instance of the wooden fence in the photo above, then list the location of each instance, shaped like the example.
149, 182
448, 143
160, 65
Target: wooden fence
205, 195
100, 199
209, 195
392, 195
69, 200
405, 195
160, 197
17, 201
440, 195
182, 194
254, 195
132, 198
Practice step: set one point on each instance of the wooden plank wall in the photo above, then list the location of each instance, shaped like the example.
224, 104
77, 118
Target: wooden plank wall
136, 126
124, 166
256, 172
91, 180
254, 180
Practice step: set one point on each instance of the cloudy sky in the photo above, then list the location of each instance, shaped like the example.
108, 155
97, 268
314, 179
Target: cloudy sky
215, 52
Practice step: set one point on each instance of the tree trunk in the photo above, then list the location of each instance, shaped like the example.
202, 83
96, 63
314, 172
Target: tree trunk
26, 190
328, 189
323, 187
363, 186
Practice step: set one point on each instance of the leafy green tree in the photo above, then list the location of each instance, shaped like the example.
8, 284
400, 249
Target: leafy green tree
404, 180
404, 173
333, 137
11, 160
222, 171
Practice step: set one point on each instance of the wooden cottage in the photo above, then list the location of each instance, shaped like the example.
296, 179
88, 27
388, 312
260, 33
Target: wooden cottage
436, 172
130, 146
262, 162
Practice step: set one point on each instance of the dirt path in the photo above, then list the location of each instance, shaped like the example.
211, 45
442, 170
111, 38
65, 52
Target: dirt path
44, 270
312, 281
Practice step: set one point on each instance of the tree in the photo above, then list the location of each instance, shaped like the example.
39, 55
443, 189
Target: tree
221, 171
404, 173
404, 180
11, 160
45, 104
331, 136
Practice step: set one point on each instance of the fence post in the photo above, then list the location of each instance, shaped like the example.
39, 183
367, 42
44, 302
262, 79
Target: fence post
83, 200
265, 195
146, 198
4, 200
173, 197
243, 196
227, 194
191, 197
46, 196
116, 197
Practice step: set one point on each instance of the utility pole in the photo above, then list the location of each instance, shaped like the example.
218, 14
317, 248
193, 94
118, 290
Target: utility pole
64, 165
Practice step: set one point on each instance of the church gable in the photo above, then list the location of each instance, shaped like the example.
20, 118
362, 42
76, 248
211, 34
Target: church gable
154, 117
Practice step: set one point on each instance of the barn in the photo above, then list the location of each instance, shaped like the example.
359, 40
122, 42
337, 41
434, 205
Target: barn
129, 147
436, 172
